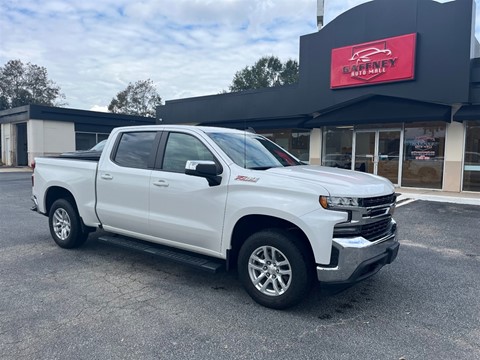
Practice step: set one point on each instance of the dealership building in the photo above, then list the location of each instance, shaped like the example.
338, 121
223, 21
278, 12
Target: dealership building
390, 87
35, 130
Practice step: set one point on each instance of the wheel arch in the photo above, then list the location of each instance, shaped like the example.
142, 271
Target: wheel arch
250, 224
57, 192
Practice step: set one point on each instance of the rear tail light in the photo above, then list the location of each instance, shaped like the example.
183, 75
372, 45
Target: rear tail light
32, 165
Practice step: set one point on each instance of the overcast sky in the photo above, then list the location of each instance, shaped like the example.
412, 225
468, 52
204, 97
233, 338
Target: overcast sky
93, 48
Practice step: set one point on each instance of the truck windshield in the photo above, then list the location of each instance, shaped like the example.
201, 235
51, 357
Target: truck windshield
253, 151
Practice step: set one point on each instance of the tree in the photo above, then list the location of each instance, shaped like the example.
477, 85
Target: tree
24, 84
140, 99
268, 71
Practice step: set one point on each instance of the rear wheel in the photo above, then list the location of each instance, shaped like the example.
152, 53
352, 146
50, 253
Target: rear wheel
65, 225
275, 268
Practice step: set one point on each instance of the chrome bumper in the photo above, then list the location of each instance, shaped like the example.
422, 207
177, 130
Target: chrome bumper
359, 258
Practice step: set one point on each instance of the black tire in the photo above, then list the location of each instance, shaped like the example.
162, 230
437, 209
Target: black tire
276, 287
65, 225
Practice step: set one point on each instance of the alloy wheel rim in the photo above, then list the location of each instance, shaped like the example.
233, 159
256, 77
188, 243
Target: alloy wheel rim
61, 224
270, 271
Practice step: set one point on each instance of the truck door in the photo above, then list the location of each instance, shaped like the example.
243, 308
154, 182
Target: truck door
186, 209
123, 183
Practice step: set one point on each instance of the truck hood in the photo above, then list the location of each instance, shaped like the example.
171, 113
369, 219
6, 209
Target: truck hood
338, 182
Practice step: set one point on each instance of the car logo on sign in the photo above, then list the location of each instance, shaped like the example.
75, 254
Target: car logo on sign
365, 55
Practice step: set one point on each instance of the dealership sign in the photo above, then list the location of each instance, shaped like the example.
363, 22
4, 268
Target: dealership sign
375, 62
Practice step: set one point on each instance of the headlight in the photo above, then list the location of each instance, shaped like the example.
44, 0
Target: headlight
338, 201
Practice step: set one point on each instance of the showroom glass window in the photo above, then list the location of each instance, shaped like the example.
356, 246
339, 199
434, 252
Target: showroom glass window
87, 140
423, 155
296, 141
471, 166
337, 147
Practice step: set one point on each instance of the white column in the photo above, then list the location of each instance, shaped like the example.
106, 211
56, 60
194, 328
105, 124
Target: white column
454, 150
316, 147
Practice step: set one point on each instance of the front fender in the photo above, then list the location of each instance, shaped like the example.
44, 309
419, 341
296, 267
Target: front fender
317, 226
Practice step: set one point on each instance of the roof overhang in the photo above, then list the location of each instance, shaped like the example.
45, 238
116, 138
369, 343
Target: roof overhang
467, 112
378, 109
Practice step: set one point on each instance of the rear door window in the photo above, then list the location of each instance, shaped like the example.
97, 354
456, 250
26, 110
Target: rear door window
135, 150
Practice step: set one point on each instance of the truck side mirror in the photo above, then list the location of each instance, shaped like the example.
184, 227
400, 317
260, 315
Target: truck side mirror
205, 169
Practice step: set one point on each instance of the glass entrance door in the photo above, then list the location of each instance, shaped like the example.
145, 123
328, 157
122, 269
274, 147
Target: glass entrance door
378, 152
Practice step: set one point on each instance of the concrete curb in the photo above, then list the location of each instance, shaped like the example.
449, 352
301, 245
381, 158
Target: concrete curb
10, 169
460, 198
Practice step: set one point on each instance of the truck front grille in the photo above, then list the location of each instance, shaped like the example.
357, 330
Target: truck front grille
379, 200
372, 219
376, 230
371, 231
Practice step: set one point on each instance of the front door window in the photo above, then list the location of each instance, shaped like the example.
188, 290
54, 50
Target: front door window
378, 152
337, 147
471, 167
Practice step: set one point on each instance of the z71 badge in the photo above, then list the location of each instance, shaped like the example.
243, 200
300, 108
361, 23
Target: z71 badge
247, 178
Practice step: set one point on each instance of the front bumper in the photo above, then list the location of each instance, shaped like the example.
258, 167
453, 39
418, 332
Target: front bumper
358, 258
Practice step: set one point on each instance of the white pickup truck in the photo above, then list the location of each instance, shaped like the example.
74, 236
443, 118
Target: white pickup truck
211, 196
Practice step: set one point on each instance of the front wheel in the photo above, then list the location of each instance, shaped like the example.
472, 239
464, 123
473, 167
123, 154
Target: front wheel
65, 225
275, 269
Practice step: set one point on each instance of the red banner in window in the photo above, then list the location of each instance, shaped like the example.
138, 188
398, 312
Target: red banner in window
375, 62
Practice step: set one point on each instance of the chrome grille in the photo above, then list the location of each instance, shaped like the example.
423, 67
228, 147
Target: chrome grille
371, 220
379, 200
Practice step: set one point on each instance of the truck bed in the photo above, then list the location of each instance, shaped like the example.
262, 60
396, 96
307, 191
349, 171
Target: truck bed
77, 175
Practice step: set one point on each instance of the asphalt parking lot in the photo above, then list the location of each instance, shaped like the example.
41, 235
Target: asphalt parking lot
103, 302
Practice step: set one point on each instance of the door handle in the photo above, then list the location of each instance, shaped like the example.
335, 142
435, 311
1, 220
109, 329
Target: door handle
106, 177
161, 183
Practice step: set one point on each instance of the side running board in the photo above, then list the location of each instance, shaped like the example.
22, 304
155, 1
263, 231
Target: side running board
193, 260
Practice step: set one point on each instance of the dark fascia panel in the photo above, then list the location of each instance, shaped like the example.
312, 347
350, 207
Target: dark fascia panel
40, 112
467, 112
475, 81
17, 114
475, 70
377, 109
84, 116
249, 105
260, 124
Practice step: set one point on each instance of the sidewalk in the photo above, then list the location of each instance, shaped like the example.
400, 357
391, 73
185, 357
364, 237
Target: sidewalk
15, 169
438, 195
